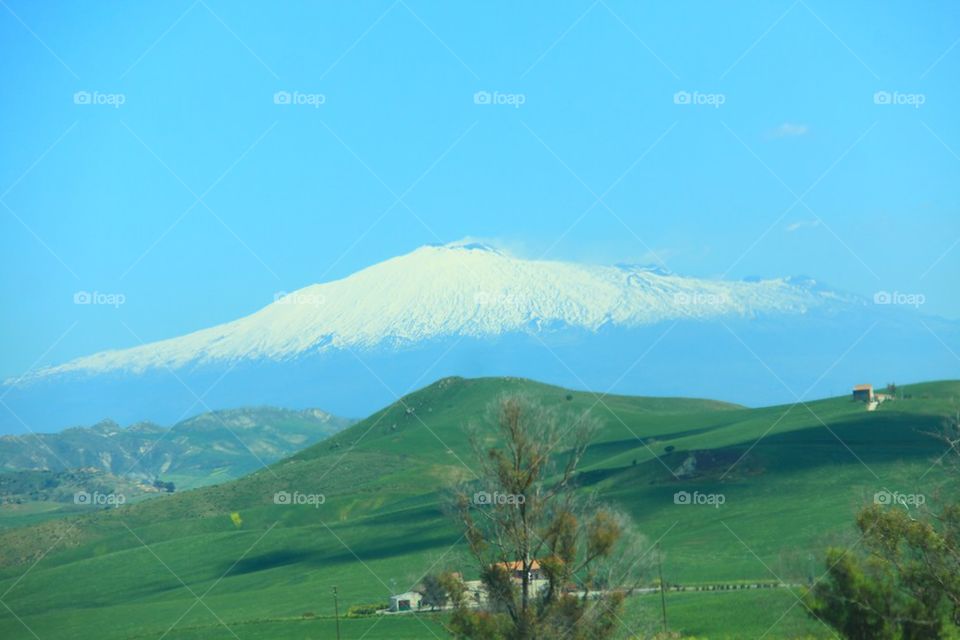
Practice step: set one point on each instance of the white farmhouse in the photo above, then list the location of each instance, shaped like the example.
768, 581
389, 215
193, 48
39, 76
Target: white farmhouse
409, 601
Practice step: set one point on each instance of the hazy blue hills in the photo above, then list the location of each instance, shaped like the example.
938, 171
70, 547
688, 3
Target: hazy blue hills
209, 447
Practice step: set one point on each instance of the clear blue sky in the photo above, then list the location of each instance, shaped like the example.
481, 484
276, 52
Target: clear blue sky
97, 197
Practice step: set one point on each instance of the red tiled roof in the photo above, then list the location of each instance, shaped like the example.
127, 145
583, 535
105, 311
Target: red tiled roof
518, 566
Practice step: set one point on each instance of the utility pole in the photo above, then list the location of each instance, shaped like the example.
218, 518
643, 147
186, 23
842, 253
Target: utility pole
663, 598
336, 610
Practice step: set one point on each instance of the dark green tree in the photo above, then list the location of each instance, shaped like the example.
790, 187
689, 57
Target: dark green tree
905, 583
434, 592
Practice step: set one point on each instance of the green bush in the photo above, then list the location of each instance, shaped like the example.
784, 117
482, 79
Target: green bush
360, 610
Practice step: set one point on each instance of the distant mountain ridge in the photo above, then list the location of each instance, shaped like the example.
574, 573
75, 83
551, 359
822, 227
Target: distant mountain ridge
67, 487
228, 443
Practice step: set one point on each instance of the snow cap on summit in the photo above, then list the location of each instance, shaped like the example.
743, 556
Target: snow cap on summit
465, 288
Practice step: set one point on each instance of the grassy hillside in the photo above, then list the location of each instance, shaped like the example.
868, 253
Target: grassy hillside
790, 477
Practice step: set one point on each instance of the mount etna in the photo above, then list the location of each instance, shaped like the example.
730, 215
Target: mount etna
357, 343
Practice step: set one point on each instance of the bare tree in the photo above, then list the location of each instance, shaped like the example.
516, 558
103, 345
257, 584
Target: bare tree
553, 562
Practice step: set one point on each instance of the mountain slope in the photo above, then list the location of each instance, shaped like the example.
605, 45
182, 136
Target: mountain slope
459, 290
381, 526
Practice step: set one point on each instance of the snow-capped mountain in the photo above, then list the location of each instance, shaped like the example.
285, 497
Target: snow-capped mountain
467, 309
469, 290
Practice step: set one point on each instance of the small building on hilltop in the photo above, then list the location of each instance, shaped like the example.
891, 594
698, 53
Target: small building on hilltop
863, 393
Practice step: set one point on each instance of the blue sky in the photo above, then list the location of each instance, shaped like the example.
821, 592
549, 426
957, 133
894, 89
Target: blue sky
723, 139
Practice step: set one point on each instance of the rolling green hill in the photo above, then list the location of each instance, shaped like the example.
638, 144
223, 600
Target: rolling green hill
791, 478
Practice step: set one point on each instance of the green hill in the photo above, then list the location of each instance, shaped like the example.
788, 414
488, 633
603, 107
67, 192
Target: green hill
791, 478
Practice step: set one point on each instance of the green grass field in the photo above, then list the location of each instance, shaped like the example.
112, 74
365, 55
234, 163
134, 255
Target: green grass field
22, 515
179, 567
